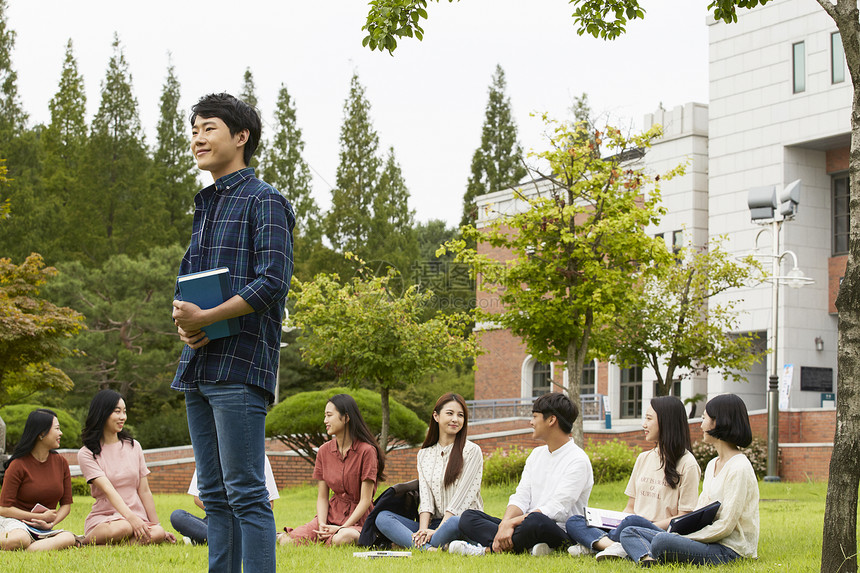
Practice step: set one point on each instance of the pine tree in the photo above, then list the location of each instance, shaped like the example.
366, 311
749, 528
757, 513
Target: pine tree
497, 164
174, 169
348, 222
392, 237
13, 119
65, 143
287, 171
248, 94
118, 214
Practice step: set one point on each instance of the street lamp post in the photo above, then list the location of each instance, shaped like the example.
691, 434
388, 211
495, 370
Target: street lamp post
762, 204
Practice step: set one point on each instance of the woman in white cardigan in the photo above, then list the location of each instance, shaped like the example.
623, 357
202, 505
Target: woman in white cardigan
450, 468
729, 479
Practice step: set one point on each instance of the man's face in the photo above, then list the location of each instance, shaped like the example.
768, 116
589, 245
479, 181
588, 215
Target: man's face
214, 148
539, 425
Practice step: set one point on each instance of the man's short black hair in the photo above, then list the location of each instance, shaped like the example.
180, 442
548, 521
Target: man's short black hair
731, 420
235, 113
559, 405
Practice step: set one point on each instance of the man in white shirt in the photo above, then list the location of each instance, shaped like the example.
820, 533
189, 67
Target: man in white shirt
555, 485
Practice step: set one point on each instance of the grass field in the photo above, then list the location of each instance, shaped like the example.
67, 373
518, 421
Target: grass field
791, 522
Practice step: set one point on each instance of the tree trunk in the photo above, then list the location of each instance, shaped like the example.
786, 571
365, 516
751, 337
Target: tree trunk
386, 415
839, 546
575, 361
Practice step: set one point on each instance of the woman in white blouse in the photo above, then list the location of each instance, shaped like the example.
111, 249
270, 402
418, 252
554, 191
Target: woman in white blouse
449, 481
729, 479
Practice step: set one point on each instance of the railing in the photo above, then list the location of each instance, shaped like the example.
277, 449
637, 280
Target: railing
591, 408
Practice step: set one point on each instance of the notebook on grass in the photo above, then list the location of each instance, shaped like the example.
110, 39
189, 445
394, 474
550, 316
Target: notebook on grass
604, 518
695, 520
208, 289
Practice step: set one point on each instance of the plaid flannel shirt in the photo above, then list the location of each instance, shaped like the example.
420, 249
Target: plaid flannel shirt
242, 223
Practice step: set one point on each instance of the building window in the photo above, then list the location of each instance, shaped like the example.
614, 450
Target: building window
541, 379
837, 58
841, 214
589, 378
677, 242
631, 392
798, 66
674, 388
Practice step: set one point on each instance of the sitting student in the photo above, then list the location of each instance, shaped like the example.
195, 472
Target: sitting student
556, 483
195, 529
449, 480
729, 479
350, 464
112, 463
37, 480
664, 483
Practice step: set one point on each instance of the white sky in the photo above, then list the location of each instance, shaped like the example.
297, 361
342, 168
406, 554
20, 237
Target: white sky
427, 100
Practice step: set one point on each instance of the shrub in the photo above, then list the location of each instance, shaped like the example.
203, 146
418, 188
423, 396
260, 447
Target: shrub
80, 486
298, 420
612, 460
504, 467
167, 428
15, 417
756, 452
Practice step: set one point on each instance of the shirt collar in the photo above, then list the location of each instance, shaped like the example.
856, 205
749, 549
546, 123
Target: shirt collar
231, 180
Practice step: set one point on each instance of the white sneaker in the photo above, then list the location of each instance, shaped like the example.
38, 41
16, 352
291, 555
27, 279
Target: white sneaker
541, 549
614, 551
460, 547
186, 540
576, 550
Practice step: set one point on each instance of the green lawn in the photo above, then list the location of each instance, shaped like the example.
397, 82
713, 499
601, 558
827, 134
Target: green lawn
791, 522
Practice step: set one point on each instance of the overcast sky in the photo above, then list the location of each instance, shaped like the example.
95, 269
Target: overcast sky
427, 100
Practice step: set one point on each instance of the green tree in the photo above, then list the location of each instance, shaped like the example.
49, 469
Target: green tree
287, 171
453, 288
674, 324
65, 145
369, 337
117, 211
13, 119
32, 332
577, 250
498, 162
131, 343
297, 421
248, 94
391, 239
348, 222
174, 170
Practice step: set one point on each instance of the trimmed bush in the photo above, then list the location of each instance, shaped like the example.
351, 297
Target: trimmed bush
756, 453
15, 417
167, 428
80, 486
612, 460
298, 420
504, 467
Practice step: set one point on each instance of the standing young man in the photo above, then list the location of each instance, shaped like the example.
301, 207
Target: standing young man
245, 225
555, 485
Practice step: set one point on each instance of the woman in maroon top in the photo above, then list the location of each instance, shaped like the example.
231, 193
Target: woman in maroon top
37, 480
350, 465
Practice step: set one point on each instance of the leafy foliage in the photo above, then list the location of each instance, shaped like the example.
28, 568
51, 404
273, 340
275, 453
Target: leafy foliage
32, 331
298, 420
612, 460
15, 417
498, 163
421, 396
504, 466
579, 247
164, 428
756, 452
368, 336
675, 326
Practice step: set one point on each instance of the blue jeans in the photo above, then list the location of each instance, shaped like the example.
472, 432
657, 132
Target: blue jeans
227, 427
189, 525
579, 530
671, 547
399, 529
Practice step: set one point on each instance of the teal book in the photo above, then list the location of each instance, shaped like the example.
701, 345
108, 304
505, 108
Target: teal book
208, 289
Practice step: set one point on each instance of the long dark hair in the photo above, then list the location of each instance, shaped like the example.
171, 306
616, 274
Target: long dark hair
673, 439
101, 408
357, 428
455, 460
39, 423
